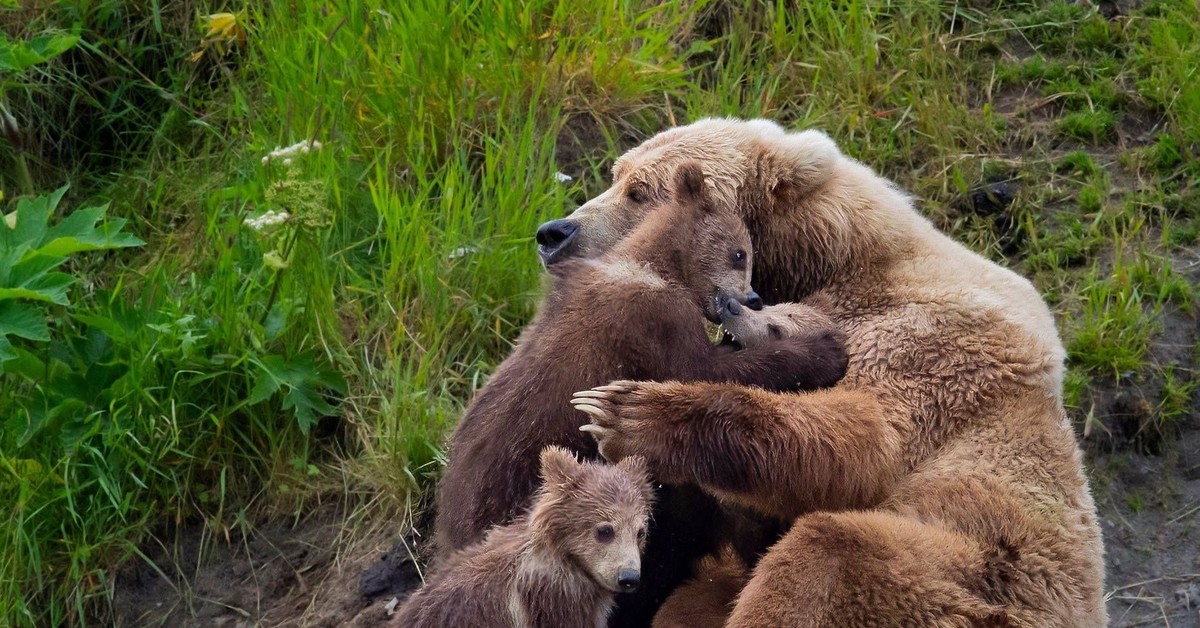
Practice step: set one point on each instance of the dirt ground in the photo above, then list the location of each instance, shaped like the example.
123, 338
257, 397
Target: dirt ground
281, 573
1153, 549
1149, 502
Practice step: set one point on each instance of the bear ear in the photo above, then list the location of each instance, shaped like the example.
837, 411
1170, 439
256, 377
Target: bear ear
559, 467
689, 183
637, 469
798, 162
634, 466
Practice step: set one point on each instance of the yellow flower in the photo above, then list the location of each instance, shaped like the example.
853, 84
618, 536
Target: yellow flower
224, 26
220, 30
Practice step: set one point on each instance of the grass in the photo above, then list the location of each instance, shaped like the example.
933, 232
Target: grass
1094, 125
220, 372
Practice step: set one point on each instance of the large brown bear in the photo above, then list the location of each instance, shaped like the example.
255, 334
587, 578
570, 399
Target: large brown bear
940, 483
637, 312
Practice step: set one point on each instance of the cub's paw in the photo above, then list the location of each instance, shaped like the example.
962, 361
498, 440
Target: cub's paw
828, 358
815, 359
622, 415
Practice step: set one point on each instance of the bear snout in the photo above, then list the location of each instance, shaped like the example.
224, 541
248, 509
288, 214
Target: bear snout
628, 579
555, 238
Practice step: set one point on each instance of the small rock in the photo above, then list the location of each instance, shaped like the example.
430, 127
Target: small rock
1189, 596
394, 573
991, 198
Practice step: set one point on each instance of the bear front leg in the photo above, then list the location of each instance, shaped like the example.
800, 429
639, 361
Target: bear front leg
780, 454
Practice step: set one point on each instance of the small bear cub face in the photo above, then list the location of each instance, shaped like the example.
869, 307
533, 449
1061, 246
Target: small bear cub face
717, 256
594, 516
745, 328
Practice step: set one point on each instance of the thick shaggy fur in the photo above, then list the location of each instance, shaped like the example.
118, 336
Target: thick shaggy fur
706, 600
638, 312
546, 569
940, 483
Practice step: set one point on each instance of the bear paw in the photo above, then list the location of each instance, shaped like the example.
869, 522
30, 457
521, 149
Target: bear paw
622, 413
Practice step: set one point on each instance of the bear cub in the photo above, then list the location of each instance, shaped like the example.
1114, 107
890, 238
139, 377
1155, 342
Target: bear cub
561, 564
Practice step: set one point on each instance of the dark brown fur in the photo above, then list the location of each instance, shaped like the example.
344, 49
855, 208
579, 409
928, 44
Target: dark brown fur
593, 329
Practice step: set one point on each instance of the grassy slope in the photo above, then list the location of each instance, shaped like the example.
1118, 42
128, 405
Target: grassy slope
409, 261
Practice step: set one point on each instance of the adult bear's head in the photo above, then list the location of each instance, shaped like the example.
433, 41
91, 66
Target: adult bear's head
754, 168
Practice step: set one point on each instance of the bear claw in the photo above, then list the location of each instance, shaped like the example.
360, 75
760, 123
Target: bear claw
623, 385
588, 408
595, 430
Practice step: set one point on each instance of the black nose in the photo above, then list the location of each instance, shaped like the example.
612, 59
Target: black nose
556, 236
732, 308
753, 301
628, 579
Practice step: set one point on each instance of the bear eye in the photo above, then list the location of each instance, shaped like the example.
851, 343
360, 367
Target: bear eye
637, 194
739, 259
775, 332
641, 534
605, 533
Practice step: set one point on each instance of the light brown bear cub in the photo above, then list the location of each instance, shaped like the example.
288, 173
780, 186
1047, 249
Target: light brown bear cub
561, 564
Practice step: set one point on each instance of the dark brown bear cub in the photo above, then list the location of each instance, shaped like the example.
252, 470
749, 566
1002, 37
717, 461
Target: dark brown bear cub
636, 313
558, 566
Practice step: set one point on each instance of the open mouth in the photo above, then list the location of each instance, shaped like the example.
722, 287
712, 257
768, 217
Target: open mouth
728, 339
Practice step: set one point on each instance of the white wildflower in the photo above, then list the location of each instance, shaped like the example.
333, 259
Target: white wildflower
270, 219
563, 177
287, 152
462, 251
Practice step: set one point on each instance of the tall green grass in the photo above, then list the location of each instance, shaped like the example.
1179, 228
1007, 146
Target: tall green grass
218, 371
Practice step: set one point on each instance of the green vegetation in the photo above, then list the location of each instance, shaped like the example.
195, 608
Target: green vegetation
236, 335
1094, 125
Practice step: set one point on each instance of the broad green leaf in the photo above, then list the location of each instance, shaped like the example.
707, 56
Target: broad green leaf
30, 251
17, 56
25, 364
43, 286
26, 321
264, 386
30, 229
39, 414
304, 384
78, 232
